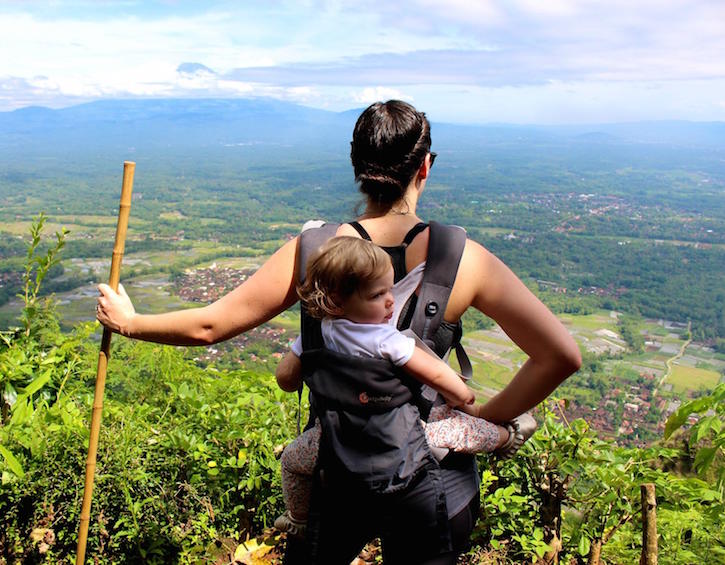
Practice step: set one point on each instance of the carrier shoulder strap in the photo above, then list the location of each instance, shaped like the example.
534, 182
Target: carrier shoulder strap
445, 249
311, 238
314, 233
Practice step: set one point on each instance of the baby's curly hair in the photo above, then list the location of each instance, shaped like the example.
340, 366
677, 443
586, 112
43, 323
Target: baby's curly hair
340, 267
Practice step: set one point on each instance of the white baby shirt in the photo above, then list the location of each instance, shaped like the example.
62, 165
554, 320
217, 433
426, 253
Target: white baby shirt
381, 341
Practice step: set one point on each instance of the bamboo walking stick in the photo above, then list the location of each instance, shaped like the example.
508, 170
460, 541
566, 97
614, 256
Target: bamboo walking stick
103, 356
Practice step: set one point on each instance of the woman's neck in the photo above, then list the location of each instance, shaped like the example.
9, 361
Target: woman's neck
376, 212
404, 207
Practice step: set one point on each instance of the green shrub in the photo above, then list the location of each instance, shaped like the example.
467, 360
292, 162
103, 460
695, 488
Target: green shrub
186, 456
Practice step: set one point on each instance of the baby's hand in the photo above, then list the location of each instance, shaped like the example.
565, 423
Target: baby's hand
466, 400
470, 397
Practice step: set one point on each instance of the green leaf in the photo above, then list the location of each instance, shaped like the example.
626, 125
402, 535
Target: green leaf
50, 360
707, 495
22, 410
584, 546
37, 384
12, 462
716, 425
698, 405
704, 458
675, 421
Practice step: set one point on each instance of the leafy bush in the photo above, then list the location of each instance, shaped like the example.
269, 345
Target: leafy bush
570, 494
187, 457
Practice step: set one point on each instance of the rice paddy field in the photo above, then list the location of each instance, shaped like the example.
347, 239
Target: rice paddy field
683, 379
495, 358
150, 286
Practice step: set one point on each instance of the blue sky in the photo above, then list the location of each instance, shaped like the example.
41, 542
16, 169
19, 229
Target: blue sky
465, 61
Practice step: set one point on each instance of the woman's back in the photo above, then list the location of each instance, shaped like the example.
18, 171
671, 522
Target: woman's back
389, 231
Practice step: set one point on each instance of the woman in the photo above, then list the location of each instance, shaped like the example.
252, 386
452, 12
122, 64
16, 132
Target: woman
392, 161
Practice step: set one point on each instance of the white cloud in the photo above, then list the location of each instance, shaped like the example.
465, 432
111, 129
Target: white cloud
375, 93
234, 87
548, 9
330, 53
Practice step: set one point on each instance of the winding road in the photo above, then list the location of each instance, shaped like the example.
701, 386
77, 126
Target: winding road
671, 360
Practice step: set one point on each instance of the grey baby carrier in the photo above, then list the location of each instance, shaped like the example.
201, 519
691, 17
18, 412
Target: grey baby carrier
369, 410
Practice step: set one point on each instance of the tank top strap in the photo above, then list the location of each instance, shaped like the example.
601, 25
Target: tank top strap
409, 237
361, 230
412, 232
396, 252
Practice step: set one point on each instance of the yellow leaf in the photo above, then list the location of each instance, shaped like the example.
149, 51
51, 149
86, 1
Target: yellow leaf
38, 534
251, 552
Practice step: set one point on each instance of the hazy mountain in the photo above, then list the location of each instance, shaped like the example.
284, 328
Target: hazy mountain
170, 123
185, 123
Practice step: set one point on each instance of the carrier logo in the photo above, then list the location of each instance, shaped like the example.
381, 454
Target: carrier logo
365, 399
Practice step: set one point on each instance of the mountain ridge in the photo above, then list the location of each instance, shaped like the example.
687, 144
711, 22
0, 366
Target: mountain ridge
189, 122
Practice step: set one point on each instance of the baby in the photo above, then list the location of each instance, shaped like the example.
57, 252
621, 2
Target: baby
349, 286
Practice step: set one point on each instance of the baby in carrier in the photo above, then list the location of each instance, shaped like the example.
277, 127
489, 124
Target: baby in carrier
349, 287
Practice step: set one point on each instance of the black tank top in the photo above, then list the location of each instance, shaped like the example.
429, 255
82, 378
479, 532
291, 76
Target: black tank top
396, 252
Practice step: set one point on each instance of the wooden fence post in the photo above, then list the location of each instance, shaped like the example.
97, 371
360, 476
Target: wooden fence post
649, 525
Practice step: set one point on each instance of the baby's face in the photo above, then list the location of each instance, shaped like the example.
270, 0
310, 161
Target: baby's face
372, 303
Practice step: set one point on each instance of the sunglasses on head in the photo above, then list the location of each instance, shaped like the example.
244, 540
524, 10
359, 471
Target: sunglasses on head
433, 156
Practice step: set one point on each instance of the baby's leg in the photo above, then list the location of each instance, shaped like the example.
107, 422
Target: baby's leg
461, 432
298, 463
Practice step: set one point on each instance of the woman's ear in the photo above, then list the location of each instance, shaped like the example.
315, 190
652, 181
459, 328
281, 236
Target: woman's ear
424, 168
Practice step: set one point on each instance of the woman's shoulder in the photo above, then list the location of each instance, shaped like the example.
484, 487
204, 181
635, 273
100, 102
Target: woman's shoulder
474, 251
475, 270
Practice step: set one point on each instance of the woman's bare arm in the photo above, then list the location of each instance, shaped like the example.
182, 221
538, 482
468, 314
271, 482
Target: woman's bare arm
262, 296
436, 374
553, 353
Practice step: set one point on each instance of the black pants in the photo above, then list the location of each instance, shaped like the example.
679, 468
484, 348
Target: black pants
407, 524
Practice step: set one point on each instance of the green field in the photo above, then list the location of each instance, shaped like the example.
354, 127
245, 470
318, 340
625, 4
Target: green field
495, 358
490, 374
602, 319
685, 379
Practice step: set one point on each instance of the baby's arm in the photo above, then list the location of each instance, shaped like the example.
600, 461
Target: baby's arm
436, 374
289, 372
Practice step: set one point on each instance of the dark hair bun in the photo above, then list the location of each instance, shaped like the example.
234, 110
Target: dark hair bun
380, 188
390, 142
